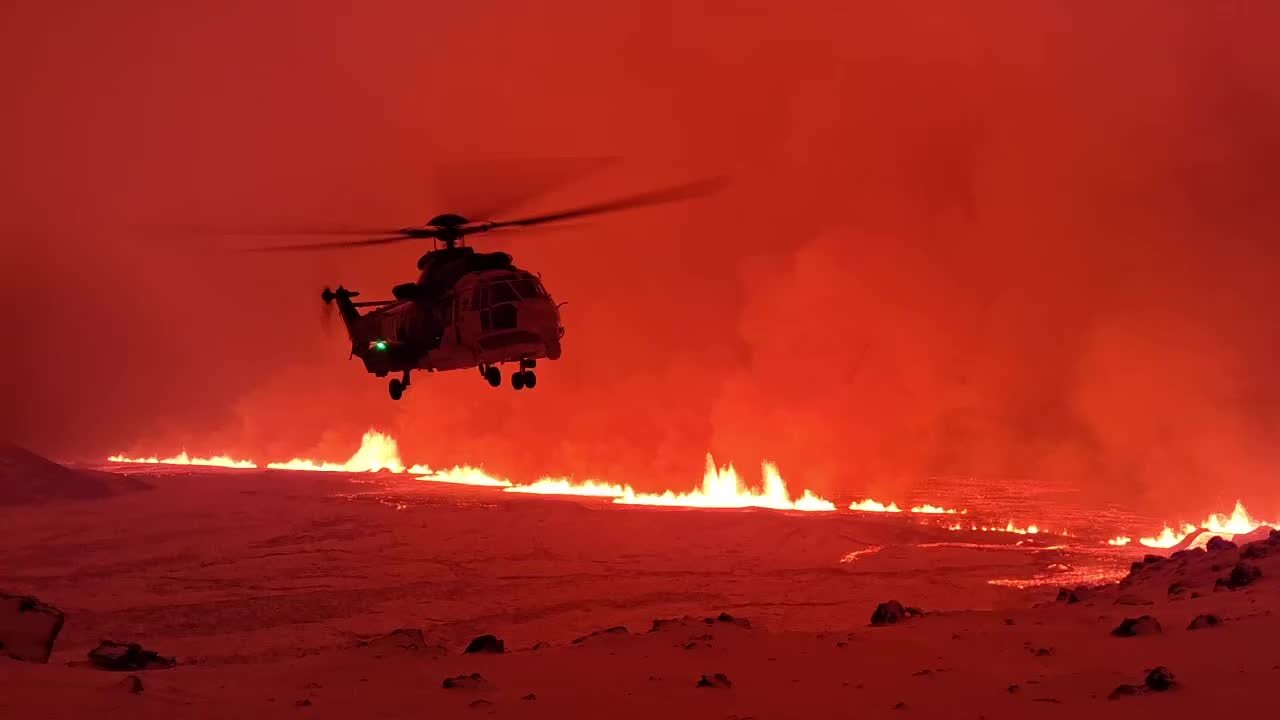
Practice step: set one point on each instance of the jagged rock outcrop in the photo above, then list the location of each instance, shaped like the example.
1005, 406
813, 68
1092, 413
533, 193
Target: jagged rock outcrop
28, 627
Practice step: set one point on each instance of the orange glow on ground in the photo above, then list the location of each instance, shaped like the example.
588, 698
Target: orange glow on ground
565, 486
928, 509
1120, 541
183, 459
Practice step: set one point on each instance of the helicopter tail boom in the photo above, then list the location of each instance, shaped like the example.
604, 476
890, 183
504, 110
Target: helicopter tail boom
346, 308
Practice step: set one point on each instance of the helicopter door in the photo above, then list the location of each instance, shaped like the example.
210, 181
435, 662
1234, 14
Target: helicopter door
457, 306
482, 302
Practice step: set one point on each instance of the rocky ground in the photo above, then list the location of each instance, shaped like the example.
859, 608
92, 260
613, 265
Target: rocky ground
282, 594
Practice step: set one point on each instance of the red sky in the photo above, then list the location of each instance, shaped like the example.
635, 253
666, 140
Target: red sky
992, 238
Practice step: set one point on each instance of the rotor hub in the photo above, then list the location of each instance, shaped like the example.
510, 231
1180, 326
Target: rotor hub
449, 220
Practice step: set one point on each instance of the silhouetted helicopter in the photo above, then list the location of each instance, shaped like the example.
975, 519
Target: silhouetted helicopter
467, 308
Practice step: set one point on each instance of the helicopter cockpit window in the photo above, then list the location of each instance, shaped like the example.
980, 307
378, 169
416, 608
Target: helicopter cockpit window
502, 292
528, 288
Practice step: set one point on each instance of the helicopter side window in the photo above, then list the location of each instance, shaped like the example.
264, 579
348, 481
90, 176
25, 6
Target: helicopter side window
502, 292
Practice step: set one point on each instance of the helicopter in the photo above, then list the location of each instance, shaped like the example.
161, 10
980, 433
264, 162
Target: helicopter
467, 308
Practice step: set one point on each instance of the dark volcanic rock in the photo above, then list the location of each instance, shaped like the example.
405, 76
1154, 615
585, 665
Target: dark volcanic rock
660, 624
719, 680
1160, 679
1132, 627
28, 628
1187, 554
1241, 575
615, 631
404, 640
474, 681
530, 696
1124, 691
485, 644
1258, 549
480, 704
1177, 588
725, 617
892, 612
132, 684
1071, 596
1204, 621
1218, 544
1152, 559
127, 657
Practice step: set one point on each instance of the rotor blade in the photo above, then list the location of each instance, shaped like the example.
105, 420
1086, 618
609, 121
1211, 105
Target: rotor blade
687, 191
482, 189
284, 230
335, 245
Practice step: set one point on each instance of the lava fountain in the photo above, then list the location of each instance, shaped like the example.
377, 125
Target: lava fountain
722, 488
1239, 522
377, 453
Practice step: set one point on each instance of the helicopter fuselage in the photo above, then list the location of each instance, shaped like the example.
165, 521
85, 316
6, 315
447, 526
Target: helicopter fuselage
485, 318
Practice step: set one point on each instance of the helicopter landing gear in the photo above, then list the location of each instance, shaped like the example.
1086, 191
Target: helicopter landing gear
397, 386
491, 374
524, 377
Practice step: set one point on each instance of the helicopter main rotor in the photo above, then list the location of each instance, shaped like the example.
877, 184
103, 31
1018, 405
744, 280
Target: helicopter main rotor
451, 228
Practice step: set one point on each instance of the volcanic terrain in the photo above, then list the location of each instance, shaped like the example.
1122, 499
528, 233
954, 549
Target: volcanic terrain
282, 593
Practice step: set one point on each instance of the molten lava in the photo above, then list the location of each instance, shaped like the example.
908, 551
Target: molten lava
565, 486
1120, 540
870, 505
461, 475
183, 459
935, 510
377, 453
721, 488
1239, 522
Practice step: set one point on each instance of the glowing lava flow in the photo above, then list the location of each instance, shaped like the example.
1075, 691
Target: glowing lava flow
460, 475
870, 505
721, 488
935, 510
377, 453
1120, 541
564, 486
1238, 522
183, 459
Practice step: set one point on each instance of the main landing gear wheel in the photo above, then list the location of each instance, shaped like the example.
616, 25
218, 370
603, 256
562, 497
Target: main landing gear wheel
493, 376
524, 379
396, 388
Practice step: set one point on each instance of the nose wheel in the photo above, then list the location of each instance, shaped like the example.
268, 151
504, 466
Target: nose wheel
397, 386
492, 375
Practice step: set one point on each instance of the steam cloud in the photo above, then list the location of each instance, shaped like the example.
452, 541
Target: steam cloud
1001, 239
